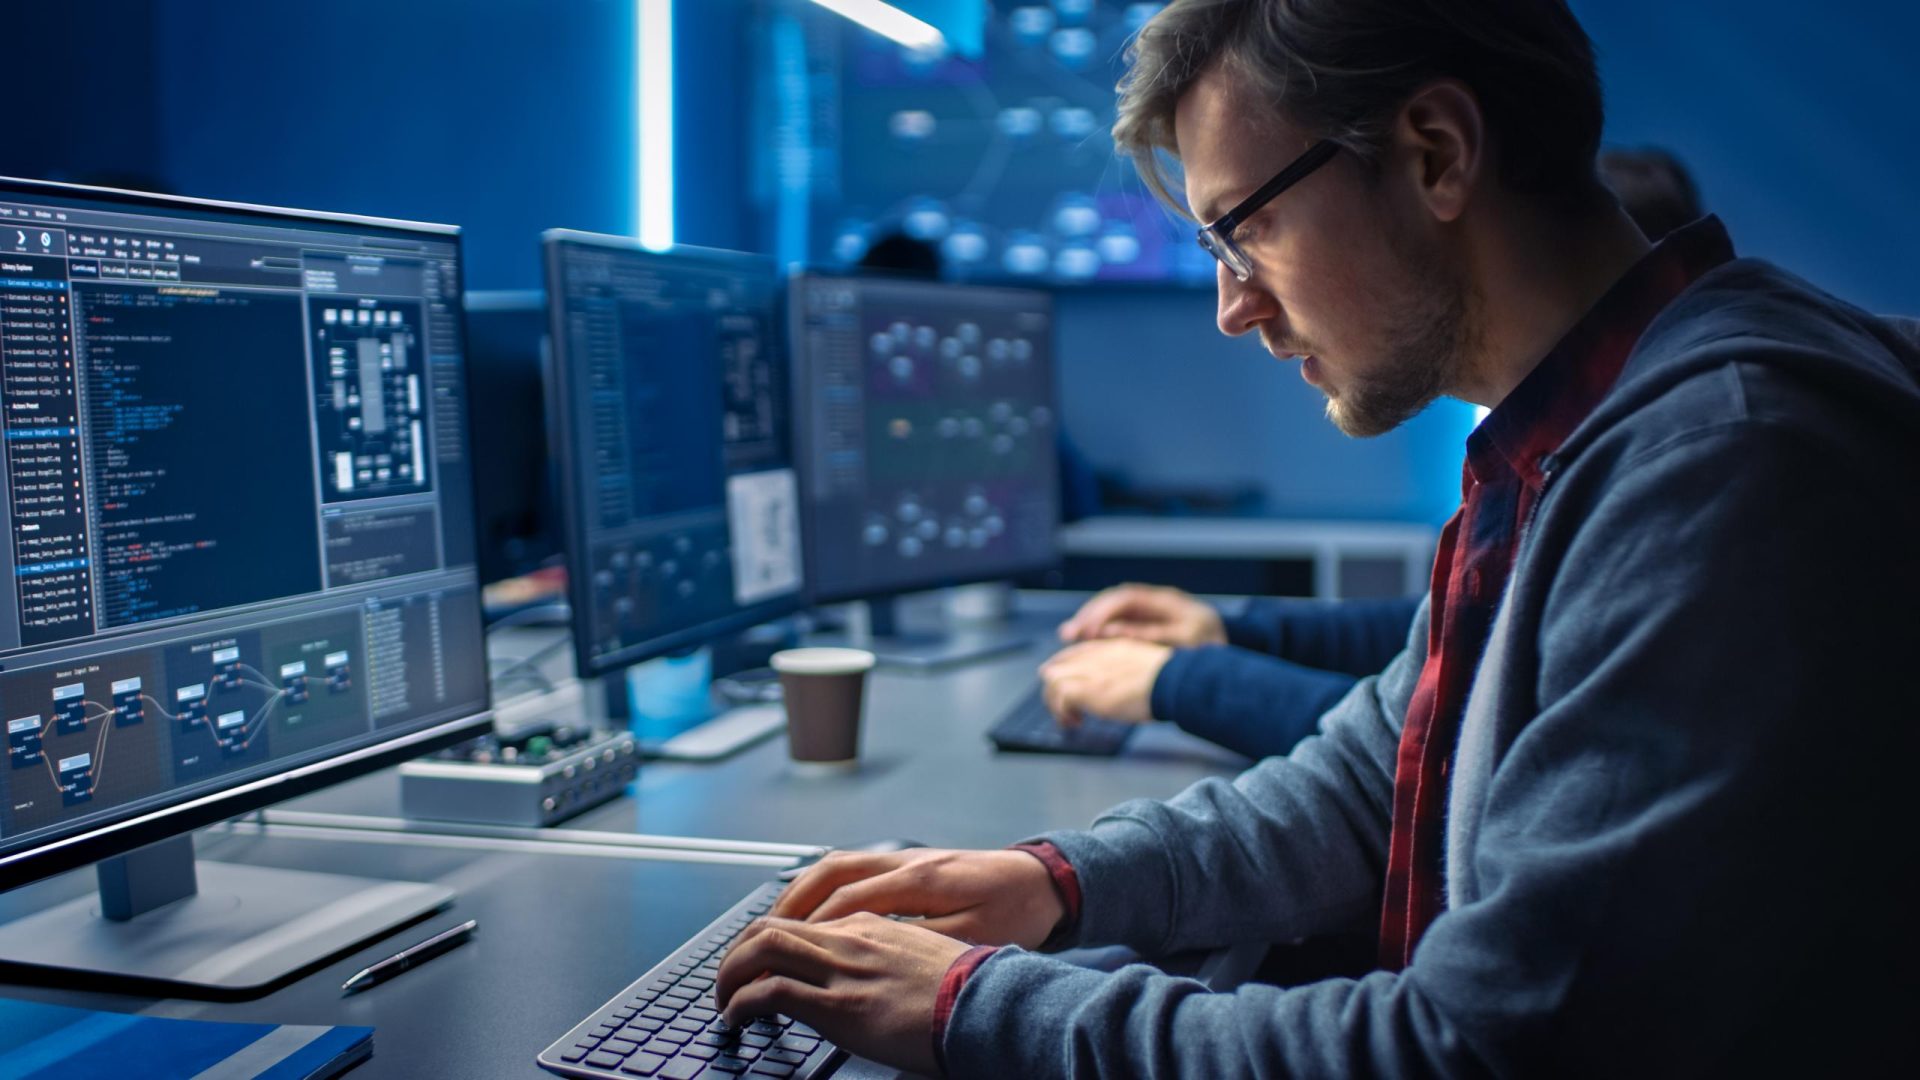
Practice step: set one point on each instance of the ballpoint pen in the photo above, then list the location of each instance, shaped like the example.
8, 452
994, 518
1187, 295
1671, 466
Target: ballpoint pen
408, 957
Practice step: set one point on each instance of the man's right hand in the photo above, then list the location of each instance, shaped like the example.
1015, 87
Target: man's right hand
983, 897
1148, 613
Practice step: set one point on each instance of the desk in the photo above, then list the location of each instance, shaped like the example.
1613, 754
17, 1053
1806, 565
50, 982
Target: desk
561, 933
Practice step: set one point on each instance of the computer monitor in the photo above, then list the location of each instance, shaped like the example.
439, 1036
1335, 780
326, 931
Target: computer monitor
678, 494
925, 428
516, 509
239, 532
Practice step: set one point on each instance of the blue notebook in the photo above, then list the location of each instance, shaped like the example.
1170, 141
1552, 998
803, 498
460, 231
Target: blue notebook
53, 1042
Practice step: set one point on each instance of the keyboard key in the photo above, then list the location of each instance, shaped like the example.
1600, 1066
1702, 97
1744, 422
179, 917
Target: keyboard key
700, 1013
728, 1064
677, 999
711, 1038
799, 1044
643, 1064
696, 982
669, 1037
604, 1060
688, 1025
619, 1046
665, 1047
704, 1053
681, 1069
575, 1054
719, 1024
799, 1028
645, 1024
772, 1068
655, 1012
772, 1029
755, 1039
604, 1030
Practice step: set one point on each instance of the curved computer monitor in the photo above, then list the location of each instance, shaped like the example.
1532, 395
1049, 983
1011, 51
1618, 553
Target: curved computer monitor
925, 427
669, 398
239, 526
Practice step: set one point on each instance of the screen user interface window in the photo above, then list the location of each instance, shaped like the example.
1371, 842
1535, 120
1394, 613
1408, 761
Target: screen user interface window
237, 514
683, 505
927, 433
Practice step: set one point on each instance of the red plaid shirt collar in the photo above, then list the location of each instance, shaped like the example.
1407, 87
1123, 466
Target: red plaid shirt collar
1506, 467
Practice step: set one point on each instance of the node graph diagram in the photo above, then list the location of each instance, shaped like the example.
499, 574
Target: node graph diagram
1004, 161
958, 422
114, 731
73, 766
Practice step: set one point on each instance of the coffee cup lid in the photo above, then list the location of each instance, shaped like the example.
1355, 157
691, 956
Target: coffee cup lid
821, 661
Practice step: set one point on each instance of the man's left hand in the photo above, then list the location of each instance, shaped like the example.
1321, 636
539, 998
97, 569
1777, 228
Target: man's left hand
866, 982
1112, 678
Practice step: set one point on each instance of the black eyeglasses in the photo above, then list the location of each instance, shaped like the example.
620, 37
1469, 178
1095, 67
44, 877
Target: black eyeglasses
1217, 237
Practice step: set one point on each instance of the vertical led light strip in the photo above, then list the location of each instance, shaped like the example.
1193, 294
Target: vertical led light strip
653, 143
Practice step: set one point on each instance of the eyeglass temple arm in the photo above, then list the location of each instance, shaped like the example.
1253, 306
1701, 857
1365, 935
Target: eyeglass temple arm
1315, 157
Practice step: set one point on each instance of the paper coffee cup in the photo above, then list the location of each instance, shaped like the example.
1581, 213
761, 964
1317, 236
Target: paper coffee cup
825, 690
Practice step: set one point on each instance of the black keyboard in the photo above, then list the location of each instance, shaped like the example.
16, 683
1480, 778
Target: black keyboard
1029, 726
665, 1026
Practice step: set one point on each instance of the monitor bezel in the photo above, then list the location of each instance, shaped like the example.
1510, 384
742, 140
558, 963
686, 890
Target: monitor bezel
127, 828
803, 435
561, 432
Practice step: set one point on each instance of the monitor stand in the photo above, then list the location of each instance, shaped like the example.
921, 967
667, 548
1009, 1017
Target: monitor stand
874, 625
205, 929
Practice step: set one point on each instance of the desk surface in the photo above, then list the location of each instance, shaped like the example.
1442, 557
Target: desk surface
559, 935
927, 772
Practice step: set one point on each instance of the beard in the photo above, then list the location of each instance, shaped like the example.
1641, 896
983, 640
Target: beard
1427, 337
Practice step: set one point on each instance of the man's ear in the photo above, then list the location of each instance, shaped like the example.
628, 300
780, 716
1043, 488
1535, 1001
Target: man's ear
1440, 137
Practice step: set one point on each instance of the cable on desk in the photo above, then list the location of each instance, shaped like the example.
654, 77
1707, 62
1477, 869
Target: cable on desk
528, 666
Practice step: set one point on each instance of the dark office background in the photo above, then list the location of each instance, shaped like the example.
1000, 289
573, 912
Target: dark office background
511, 116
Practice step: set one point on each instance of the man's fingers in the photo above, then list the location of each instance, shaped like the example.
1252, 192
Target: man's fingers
1095, 613
905, 890
776, 994
1060, 693
820, 881
773, 947
1065, 657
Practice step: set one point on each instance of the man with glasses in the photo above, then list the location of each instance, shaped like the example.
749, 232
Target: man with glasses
1257, 680
1630, 801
